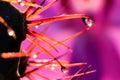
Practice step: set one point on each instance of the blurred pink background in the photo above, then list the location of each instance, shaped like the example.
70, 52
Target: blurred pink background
101, 45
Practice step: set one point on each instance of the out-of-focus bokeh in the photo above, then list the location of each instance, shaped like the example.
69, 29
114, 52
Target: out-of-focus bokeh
100, 46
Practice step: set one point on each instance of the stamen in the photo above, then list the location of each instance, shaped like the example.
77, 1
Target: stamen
9, 29
42, 10
88, 20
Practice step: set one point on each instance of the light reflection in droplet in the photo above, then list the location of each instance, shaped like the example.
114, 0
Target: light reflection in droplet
36, 26
34, 56
11, 33
64, 70
53, 67
22, 4
88, 22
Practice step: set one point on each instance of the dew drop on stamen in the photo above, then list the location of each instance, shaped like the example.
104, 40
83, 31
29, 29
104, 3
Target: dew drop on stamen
11, 33
22, 4
34, 56
64, 69
88, 22
53, 67
36, 26
19, 0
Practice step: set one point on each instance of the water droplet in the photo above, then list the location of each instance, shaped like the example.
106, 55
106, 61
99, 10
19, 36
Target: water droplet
64, 69
19, 0
53, 67
11, 33
34, 56
88, 21
36, 26
22, 4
